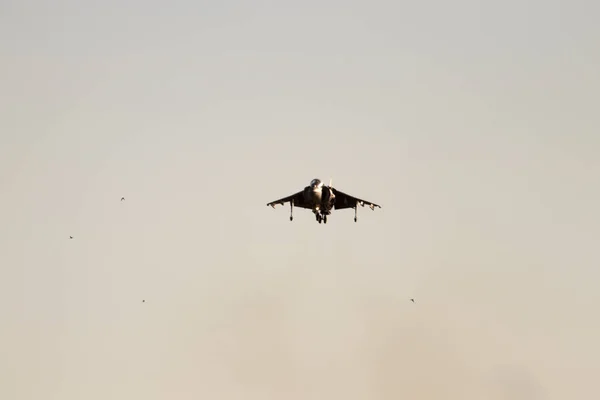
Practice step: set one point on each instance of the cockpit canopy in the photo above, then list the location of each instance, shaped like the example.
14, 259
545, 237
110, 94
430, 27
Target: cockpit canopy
315, 182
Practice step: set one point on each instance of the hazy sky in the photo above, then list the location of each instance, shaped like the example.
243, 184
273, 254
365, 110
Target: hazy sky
474, 124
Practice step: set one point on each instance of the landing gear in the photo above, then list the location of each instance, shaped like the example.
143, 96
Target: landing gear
321, 216
292, 210
355, 212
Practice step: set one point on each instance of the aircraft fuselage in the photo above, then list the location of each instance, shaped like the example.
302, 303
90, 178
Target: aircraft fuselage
320, 197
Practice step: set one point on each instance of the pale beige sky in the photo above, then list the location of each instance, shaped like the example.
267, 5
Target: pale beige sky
474, 125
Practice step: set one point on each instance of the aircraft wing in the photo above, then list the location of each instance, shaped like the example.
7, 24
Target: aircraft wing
298, 199
343, 200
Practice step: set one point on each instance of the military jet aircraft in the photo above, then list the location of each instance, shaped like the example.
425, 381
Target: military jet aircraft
322, 199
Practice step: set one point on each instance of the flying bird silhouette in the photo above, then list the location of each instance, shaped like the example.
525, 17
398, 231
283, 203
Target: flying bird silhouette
122, 198
70, 237
413, 300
